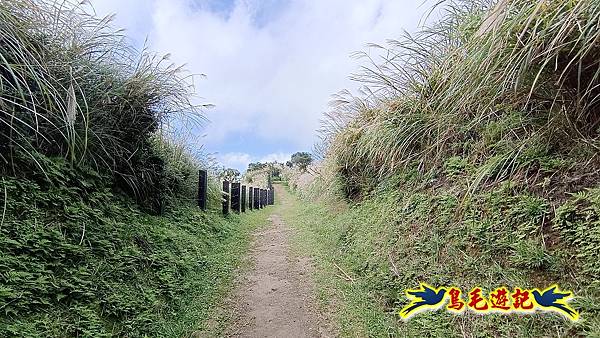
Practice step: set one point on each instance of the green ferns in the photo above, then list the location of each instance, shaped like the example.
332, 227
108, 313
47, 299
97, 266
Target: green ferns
79, 260
578, 221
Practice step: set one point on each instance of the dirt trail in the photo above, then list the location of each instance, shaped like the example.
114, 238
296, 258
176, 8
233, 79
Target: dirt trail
276, 298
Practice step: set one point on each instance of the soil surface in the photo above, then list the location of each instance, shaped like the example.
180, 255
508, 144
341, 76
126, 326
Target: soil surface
276, 297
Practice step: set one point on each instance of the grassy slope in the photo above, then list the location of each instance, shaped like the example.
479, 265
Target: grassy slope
87, 148
79, 260
471, 160
393, 240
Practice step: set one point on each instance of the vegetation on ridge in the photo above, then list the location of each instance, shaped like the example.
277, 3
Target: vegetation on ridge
72, 87
99, 233
470, 159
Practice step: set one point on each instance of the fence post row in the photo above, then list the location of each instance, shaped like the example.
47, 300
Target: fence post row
243, 198
202, 188
225, 198
235, 197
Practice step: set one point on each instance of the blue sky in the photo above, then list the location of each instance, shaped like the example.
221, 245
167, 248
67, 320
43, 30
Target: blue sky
271, 66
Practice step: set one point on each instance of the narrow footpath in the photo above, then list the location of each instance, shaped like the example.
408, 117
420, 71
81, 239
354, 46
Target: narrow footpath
276, 298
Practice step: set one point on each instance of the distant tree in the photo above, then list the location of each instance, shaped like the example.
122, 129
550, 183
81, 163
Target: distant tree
275, 172
230, 174
301, 160
256, 166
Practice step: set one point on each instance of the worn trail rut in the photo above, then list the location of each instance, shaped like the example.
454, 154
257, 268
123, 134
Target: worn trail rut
276, 297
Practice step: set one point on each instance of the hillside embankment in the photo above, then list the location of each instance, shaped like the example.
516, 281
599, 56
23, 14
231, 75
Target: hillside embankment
100, 235
470, 159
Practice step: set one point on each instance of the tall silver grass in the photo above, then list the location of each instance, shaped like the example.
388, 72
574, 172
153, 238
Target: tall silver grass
72, 86
483, 61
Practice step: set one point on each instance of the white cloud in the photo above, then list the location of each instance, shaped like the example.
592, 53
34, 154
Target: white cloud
235, 160
276, 157
240, 161
273, 78
131, 15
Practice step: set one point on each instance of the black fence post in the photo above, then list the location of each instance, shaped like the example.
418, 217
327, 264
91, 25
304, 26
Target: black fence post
225, 198
250, 198
202, 188
235, 197
256, 198
243, 198
262, 198
259, 193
